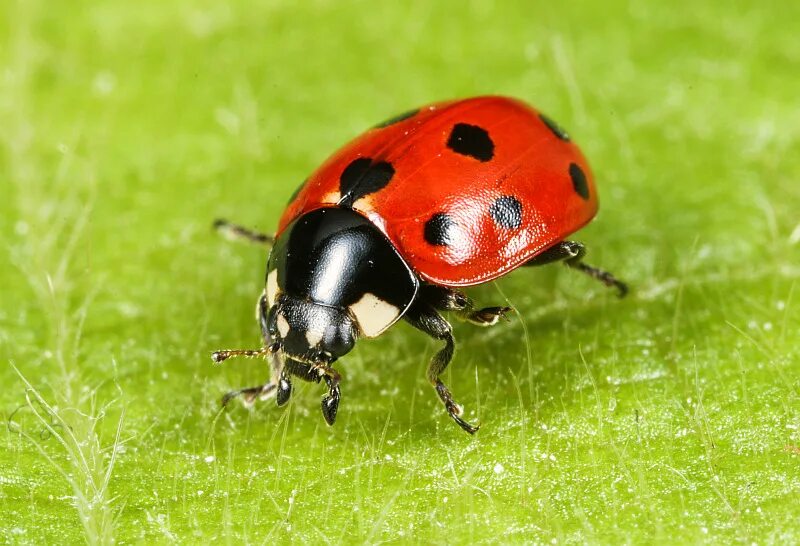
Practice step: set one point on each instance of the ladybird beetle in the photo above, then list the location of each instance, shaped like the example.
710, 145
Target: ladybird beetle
450, 195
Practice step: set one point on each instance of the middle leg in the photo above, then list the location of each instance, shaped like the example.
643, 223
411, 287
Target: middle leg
424, 317
443, 298
236, 232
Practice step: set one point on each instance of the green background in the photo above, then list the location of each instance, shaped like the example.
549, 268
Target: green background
672, 415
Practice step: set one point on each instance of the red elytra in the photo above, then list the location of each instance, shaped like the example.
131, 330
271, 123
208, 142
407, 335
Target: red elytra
527, 165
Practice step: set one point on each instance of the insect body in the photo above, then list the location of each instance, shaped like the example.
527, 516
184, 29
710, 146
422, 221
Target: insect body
451, 195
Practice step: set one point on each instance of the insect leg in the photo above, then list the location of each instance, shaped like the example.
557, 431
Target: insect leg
330, 403
424, 317
572, 253
237, 232
279, 384
283, 386
249, 394
449, 299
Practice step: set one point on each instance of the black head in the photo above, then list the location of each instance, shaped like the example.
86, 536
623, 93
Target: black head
310, 332
332, 277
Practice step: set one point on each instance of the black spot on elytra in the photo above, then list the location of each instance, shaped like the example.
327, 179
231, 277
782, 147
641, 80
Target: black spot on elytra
555, 128
362, 177
439, 229
397, 119
507, 212
472, 141
579, 180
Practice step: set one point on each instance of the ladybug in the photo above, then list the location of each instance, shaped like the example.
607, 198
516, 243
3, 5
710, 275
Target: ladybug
395, 223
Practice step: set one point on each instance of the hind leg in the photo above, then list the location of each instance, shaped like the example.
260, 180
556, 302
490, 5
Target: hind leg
572, 253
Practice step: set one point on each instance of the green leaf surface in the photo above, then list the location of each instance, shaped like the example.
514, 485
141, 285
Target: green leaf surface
670, 417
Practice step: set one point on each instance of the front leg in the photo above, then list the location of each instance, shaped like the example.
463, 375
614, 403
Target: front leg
265, 391
424, 317
321, 370
330, 403
279, 384
443, 298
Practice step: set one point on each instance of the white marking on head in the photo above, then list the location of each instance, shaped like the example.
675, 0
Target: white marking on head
272, 287
313, 338
283, 325
373, 314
